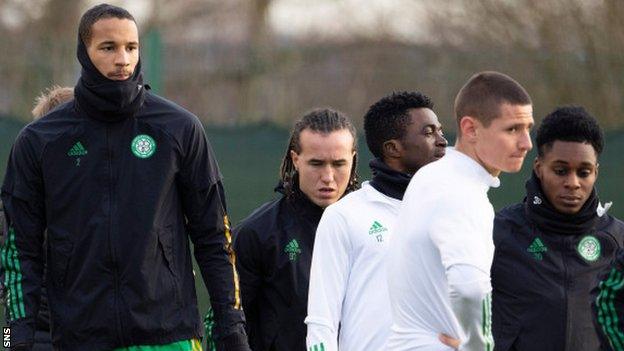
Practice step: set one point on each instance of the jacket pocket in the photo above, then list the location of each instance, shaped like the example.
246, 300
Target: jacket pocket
166, 248
59, 259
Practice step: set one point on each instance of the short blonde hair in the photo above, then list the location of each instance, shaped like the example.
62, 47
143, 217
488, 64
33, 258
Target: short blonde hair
50, 98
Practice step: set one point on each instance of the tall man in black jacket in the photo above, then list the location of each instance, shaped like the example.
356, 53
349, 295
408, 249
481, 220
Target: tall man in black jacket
274, 244
120, 179
550, 248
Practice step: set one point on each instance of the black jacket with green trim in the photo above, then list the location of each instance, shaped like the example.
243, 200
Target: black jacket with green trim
119, 201
608, 305
542, 281
274, 255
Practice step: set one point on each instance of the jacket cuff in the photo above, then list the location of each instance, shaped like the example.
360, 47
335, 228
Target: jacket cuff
22, 332
233, 342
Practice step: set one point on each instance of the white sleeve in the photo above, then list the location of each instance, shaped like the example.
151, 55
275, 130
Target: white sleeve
470, 296
463, 236
328, 280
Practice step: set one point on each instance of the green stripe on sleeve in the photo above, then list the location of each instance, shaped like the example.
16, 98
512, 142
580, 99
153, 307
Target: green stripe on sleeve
614, 315
20, 294
607, 314
486, 323
13, 278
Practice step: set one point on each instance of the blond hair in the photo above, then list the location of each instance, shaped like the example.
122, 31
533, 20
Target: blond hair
50, 98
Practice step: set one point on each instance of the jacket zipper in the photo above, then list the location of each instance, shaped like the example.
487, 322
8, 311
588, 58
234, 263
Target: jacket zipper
119, 327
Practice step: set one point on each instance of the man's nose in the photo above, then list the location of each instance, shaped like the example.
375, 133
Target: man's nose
327, 174
572, 181
441, 140
525, 141
122, 58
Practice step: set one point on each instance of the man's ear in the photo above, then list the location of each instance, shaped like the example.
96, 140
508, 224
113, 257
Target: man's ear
537, 167
469, 127
295, 158
392, 149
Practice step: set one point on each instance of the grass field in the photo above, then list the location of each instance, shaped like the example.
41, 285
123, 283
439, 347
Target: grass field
250, 156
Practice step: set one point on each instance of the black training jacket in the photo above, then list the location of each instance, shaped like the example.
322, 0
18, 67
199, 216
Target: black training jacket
608, 305
119, 201
274, 252
42, 340
541, 283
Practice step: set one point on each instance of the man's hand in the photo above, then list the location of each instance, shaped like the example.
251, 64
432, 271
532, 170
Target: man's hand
233, 342
449, 341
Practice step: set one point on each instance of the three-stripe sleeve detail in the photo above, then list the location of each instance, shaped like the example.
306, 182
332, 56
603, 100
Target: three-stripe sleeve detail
607, 314
13, 277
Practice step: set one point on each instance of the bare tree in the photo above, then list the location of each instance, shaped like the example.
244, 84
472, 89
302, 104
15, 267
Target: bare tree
568, 51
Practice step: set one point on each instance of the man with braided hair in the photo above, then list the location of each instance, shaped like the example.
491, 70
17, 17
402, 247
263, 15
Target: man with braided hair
274, 244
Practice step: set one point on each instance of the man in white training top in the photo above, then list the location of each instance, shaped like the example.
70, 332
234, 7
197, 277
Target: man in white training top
439, 260
348, 277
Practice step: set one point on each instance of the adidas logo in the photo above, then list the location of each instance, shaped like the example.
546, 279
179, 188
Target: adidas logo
77, 150
292, 249
376, 228
537, 248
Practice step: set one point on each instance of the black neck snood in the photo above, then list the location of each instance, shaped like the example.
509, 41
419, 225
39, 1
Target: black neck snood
301, 203
542, 213
104, 99
388, 181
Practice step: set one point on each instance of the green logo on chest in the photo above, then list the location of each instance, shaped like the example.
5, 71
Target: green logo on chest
537, 248
292, 249
143, 146
377, 229
78, 150
589, 248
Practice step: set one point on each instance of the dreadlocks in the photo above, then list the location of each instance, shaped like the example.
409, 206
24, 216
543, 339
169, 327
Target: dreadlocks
325, 121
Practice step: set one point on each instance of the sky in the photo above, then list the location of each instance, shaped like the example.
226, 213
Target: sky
331, 18
300, 18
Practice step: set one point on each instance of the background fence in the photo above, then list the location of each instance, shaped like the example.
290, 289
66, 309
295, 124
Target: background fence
249, 158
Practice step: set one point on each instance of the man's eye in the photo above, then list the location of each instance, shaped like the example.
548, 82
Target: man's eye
584, 173
512, 129
560, 171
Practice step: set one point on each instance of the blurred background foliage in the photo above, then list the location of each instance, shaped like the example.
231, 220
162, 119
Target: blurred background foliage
240, 61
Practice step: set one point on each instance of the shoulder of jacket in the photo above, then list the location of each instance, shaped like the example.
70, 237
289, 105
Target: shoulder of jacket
507, 219
351, 201
37, 134
263, 219
512, 213
157, 109
612, 225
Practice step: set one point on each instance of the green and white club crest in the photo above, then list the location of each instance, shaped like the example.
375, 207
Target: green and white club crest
143, 146
589, 248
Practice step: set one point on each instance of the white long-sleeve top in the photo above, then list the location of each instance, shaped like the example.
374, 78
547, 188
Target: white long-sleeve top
348, 281
440, 258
